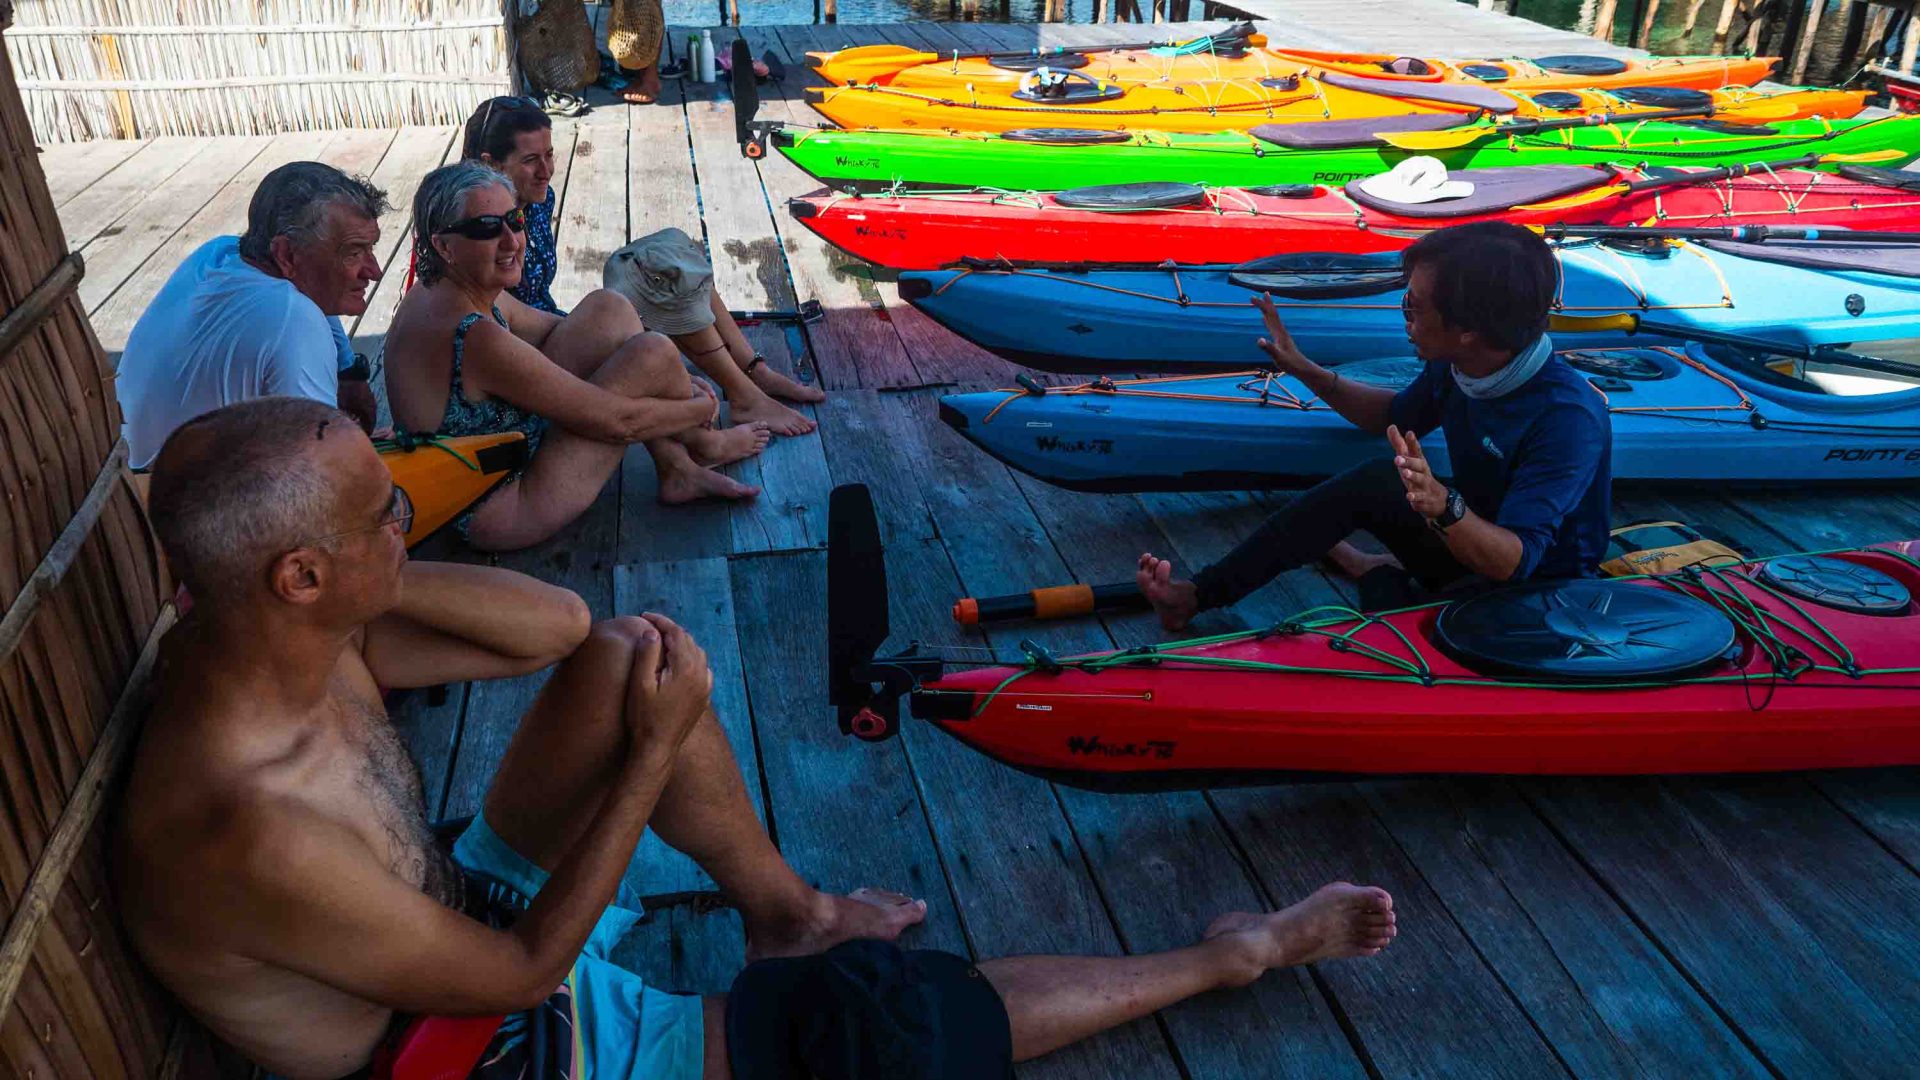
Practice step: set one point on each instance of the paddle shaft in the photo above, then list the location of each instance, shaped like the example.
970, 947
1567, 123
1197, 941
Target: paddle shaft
1746, 234
1708, 176
1634, 324
1238, 33
1054, 602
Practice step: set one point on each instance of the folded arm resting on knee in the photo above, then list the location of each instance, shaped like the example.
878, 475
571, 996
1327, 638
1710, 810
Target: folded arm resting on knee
656, 399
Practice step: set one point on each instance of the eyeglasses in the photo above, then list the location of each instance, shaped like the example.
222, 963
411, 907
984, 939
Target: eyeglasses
488, 226
1406, 304
399, 512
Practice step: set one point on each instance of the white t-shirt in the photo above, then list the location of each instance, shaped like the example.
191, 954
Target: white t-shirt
219, 332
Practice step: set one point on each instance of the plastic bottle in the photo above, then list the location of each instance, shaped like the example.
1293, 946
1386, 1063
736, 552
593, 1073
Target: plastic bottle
706, 57
692, 70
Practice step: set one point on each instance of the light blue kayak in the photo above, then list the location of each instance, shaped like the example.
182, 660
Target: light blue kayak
1688, 414
1340, 307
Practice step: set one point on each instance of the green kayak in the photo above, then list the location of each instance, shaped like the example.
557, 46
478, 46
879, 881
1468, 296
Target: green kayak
1317, 152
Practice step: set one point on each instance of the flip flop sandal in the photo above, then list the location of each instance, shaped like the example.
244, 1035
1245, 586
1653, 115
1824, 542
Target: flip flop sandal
555, 103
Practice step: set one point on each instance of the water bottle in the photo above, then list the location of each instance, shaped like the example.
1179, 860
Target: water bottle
706, 57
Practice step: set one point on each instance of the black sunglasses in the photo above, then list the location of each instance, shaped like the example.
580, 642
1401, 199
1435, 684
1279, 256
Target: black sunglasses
488, 226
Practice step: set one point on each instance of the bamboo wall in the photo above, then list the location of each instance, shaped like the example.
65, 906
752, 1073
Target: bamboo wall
136, 68
81, 588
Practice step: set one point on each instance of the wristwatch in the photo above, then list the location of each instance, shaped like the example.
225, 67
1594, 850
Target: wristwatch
1455, 509
359, 371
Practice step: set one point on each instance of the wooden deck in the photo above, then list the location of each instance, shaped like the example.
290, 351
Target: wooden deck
1689, 927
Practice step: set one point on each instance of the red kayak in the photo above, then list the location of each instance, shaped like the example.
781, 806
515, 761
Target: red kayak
1795, 662
1185, 223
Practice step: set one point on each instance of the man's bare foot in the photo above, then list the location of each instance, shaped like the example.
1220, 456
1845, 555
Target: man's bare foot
724, 446
784, 387
1337, 921
692, 485
763, 409
1356, 563
863, 913
1176, 602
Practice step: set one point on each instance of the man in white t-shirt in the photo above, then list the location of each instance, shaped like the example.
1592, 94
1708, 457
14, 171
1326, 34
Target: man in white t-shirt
256, 315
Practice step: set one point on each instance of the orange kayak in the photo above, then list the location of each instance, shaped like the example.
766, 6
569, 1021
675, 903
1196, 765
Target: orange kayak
1045, 98
443, 476
1228, 59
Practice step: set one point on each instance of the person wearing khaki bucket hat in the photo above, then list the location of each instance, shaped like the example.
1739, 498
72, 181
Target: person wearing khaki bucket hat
667, 278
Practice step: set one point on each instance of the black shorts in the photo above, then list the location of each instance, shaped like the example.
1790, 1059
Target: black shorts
867, 1010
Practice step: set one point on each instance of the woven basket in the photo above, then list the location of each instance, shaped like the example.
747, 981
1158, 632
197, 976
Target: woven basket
634, 30
557, 50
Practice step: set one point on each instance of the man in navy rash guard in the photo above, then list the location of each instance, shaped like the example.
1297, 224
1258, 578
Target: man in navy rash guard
1530, 441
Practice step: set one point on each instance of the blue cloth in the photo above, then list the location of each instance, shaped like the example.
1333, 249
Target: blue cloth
627, 1029
1537, 461
219, 332
541, 261
342, 343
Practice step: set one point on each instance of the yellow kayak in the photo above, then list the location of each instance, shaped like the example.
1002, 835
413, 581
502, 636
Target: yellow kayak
443, 476
1045, 98
1230, 58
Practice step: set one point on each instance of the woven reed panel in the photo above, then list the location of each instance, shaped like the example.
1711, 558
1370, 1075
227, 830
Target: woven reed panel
84, 1009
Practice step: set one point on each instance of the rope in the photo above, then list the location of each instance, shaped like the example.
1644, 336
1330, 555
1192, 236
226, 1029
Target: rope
407, 443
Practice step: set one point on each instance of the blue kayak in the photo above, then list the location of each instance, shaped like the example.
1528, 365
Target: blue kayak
1343, 307
1689, 414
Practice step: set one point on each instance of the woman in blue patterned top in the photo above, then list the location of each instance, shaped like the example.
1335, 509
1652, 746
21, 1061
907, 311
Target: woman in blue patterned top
514, 136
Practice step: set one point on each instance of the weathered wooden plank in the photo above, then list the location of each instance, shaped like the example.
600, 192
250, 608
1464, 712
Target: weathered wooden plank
749, 266
590, 223
1885, 802
791, 509
71, 168
1756, 891
415, 152
878, 438
844, 814
147, 227
95, 205
1588, 977
661, 189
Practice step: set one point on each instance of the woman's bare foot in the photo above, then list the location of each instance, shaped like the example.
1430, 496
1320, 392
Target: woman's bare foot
1337, 921
784, 387
863, 913
1176, 602
724, 446
763, 409
694, 484
1356, 563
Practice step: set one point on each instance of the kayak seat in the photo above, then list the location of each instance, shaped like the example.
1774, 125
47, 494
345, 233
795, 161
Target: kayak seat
1152, 195
1875, 174
1583, 631
1471, 97
1901, 260
1062, 136
1321, 275
1406, 65
1493, 190
1665, 97
1487, 72
1345, 134
1028, 63
1559, 99
1576, 64
1069, 87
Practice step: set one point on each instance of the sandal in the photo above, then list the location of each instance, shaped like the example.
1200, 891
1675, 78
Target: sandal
556, 103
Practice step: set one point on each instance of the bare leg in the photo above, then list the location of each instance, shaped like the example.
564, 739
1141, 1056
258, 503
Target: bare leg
567, 750
594, 330
746, 401
764, 376
1056, 1000
1053, 1001
568, 470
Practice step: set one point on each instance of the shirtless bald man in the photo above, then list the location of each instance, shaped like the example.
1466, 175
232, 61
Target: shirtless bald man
278, 874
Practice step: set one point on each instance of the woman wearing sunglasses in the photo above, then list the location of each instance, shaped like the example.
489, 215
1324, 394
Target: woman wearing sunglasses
466, 358
514, 136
